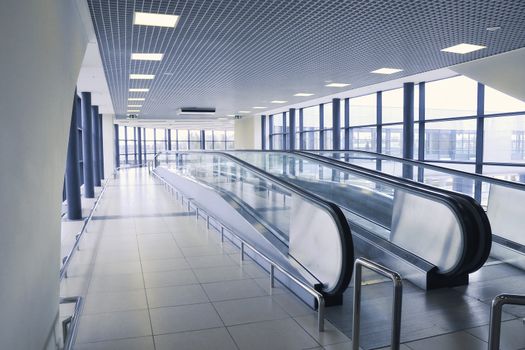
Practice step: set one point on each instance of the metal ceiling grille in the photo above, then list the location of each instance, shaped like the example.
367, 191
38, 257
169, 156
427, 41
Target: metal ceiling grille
236, 54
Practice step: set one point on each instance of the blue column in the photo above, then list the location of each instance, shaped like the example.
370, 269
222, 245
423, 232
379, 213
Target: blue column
74, 204
138, 140
87, 147
203, 140
263, 132
117, 148
408, 127
321, 126
422, 134
96, 145
292, 128
336, 124
270, 127
168, 137
379, 121
480, 135
284, 142
101, 143
347, 123
301, 129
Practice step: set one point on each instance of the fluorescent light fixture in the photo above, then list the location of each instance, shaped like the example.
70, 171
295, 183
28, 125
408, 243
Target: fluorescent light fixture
244, 111
138, 90
303, 94
463, 48
133, 110
155, 19
278, 101
147, 56
259, 107
231, 115
134, 106
337, 85
386, 71
136, 99
142, 76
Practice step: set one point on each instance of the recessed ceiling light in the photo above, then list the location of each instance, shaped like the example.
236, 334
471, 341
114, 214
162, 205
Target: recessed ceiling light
463, 48
133, 110
134, 106
231, 115
259, 107
136, 99
278, 101
303, 94
142, 76
138, 90
147, 56
337, 85
493, 29
386, 71
155, 19
244, 111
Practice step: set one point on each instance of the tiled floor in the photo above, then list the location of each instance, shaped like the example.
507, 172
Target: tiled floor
154, 278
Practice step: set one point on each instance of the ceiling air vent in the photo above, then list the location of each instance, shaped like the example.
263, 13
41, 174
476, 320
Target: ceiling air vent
195, 111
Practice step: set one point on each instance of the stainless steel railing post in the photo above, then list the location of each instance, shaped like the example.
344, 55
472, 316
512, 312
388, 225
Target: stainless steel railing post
495, 316
396, 303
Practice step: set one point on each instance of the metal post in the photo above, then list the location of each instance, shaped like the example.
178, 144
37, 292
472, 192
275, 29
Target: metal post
292, 129
480, 135
347, 123
495, 316
138, 141
396, 304
242, 252
272, 277
96, 146
379, 127
422, 134
263, 132
101, 142
208, 222
336, 124
301, 128
87, 148
321, 126
74, 204
197, 213
222, 234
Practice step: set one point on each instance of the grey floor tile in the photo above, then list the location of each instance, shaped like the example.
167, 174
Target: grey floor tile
169, 278
208, 339
293, 305
113, 283
227, 290
331, 334
115, 325
210, 261
115, 301
221, 273
184, 318
143, 343
276, 335
158, 265
451, 341
241, 311
177, 295
512, 334
129, 267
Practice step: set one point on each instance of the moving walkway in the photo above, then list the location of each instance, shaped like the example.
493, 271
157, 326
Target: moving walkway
307, 236
502, 200
432, 237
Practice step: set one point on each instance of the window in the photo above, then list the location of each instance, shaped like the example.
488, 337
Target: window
363, 139
392, 140
453, 97
363, 110
392, 102
504, 139
498, 102
451, 140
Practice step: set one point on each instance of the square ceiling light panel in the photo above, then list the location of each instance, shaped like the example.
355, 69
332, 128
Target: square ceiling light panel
155, 19
463, 48
142, 76
386, 71
337, 85
138, 90
147, 56
303, 94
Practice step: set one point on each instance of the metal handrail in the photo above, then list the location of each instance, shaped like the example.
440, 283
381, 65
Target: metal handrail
396, 305
70, 324
67, 259
273, 265
495, 316
130, 166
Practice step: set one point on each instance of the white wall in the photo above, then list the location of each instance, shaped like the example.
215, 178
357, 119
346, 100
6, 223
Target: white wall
248, 133
108, 138
42, 43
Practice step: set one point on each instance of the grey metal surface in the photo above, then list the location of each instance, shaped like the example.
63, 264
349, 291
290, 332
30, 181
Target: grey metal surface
506, 213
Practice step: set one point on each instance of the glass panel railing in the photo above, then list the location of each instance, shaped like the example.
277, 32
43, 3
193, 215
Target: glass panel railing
427, 224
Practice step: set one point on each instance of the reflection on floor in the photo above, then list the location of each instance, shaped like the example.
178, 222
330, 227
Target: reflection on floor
154, 278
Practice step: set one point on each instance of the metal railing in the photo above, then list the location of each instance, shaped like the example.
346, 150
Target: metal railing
273, 265
67, 259
396, 304
495, 316
69, 325
129, 166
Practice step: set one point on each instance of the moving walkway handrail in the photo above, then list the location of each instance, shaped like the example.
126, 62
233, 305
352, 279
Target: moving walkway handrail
424, 164
67, 259
495, 316
309, 289
396, 303
70, 324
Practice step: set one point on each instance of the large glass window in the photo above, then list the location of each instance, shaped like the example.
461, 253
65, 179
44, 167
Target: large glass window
363, 110
182, 139
451, 140
498, 102
311, 127
504, 139
364, 139
392, 102
392, 140
451, 97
